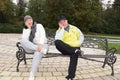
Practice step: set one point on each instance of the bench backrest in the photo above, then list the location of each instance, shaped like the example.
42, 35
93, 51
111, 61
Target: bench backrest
97, 43
89, 42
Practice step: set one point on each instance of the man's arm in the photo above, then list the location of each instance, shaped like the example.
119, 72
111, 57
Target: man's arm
81, 38
59, 34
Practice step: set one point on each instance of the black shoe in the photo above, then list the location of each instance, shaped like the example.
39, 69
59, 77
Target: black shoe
68, 78
79, 52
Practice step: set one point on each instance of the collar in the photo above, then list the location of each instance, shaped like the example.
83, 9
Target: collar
67, 28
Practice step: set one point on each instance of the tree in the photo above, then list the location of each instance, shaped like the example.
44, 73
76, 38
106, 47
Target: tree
6, 11
116, 6
87, 12
56, 8
82, 13
111, 19
21, 8
36, 8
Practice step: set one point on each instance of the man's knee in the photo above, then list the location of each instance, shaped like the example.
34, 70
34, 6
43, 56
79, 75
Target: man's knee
58, 42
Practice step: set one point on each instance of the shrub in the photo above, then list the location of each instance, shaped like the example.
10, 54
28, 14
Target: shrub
10, 28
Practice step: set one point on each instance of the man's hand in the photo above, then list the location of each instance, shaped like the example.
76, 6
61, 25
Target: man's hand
61, 26
40, 46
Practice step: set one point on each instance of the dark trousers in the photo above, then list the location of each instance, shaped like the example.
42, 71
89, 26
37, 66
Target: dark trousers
65, 49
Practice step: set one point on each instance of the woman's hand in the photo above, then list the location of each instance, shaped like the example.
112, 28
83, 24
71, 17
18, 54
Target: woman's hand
40, 46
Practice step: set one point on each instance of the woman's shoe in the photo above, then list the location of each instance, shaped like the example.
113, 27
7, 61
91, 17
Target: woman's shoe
31, 78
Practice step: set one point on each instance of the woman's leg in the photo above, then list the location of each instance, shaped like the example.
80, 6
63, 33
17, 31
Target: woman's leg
28, 46
35, 63
32, 48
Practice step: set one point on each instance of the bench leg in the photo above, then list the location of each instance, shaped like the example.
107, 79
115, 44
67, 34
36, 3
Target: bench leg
20, 57
18, 65
25, 59
112, 74
111, 62
105, 62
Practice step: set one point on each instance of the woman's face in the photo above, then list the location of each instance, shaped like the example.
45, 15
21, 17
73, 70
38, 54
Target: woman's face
29, 23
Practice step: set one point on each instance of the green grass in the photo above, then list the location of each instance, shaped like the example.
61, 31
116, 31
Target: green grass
111, 45
117, 37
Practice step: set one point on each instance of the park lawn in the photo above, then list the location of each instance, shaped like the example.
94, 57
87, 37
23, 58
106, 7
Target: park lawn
117, 46
117, 37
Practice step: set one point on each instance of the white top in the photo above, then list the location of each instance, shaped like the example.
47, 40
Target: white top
40, 35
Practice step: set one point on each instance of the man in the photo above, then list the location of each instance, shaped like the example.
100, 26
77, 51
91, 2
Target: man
68, 39
34, 41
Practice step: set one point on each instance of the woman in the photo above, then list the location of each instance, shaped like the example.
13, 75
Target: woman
34, 41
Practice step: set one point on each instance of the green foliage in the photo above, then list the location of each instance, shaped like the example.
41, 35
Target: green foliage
21, 6
8, 28
36, 8
56, 8
82, 13
109, 22
88, 15
116, 6
6, 11
52, 30
117, 46
87, 12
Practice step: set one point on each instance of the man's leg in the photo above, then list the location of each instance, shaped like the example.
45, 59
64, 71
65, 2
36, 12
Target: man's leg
64, 48
72, 66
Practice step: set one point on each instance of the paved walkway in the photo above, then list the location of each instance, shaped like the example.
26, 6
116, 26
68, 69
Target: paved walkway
52, 68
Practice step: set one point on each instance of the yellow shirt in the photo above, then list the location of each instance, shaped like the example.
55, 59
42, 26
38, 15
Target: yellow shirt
71, 37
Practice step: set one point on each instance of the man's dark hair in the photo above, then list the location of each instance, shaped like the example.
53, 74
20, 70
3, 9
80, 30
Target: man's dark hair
62, 18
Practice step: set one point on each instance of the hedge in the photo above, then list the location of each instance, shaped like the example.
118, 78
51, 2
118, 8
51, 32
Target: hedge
10, 28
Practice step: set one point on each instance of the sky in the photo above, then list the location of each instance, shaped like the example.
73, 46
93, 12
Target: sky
104, 1
15, 1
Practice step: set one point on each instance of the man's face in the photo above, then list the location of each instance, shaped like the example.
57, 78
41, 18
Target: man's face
29, 23
63, 23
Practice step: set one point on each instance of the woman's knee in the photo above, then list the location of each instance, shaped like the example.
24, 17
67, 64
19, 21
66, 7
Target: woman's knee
23, 41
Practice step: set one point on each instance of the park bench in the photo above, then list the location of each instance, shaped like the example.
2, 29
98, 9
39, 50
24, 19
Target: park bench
89, 42
102, 44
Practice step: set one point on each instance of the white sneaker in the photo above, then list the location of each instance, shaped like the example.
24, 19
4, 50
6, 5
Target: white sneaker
31, 78
44, 51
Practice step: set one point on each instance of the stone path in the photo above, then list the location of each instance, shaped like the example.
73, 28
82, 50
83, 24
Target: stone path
51, 68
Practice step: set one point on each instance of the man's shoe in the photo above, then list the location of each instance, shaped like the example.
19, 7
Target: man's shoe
67, 77
70, 79
79, 52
